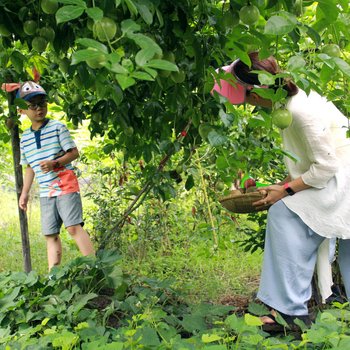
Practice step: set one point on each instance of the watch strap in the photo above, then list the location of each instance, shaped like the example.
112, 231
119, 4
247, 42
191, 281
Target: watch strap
288, 189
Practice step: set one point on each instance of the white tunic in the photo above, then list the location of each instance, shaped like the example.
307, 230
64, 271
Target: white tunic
317, 140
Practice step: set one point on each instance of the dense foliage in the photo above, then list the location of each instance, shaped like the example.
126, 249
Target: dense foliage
142, 71
91, 304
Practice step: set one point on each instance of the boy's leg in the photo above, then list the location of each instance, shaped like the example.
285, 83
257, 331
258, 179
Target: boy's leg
71, 212
54, 250
50, 226
82, 239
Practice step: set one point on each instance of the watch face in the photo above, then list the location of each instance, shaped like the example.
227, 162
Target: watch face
289, 191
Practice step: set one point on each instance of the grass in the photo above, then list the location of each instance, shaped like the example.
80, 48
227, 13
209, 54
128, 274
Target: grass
175, 251
175, 248
201, 273
10, 236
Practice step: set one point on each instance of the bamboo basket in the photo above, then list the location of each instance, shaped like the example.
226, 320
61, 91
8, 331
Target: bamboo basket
242, 203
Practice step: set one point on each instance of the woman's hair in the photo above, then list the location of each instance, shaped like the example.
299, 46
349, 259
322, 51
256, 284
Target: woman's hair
243, 72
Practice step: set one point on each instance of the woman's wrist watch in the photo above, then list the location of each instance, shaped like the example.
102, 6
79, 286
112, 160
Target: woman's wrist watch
288, 189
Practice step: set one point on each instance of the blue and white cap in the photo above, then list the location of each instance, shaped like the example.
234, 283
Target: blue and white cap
29, 89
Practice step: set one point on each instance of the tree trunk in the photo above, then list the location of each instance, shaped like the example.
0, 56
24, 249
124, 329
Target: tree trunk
23, 221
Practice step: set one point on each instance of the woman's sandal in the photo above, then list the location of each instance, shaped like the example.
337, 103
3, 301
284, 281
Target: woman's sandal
282, 322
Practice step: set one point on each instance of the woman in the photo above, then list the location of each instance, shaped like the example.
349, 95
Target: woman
312, 203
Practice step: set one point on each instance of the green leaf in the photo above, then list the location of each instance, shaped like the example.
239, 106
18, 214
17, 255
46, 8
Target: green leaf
227, 119
235, 323
67, 13
192, 323
129, 26
8, 300
17, 60
163, 64
342, 65
313, 34
278, 25
296, 63
66, 340
210, 338
258, 309
142, 76
81, 3
82, 301
20, 103
329, 9
239, 53
160, 18
265, 93
118, 68
115, 277
131, 6
149, 337
153, 73
189, 182
145, 42
125, 81
143, 56
266, 78
145, 12
92, 43
116, 94
95, 13
215, 139
222, 163
344, 4
83, 55
251, 320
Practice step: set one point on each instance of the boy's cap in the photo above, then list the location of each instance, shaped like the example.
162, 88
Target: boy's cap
29, 89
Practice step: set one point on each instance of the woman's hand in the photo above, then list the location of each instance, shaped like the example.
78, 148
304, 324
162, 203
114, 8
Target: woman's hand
272, 194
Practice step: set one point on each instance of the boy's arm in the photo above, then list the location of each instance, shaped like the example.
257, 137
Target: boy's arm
27, 183
68, 157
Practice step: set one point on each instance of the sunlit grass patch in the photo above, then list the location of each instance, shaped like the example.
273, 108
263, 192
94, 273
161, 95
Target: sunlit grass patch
11, 258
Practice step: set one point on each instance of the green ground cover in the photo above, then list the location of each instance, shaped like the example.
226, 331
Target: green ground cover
184, 255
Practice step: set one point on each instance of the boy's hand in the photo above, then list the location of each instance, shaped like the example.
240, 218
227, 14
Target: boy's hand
23, 200
46, 165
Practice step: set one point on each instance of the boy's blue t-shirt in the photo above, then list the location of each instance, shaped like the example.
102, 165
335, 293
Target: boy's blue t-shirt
50, 142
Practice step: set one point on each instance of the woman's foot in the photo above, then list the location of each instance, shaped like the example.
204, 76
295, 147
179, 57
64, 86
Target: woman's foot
278, 321
269, 319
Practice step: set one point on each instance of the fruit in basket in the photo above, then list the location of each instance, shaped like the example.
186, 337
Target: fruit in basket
251, 189
250, 182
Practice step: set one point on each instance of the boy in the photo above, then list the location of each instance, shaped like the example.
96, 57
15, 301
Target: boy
48, 150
